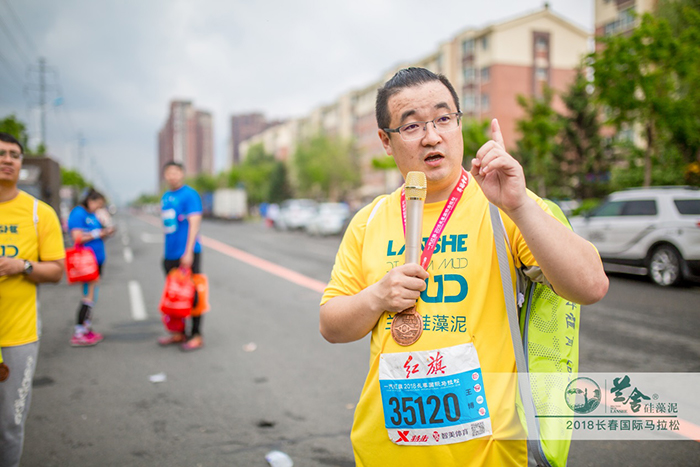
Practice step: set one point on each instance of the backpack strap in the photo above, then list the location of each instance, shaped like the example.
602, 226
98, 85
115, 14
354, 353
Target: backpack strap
35, 216
523, 375
375, 209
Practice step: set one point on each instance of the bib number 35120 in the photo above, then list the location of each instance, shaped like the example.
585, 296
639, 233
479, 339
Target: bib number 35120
433, 410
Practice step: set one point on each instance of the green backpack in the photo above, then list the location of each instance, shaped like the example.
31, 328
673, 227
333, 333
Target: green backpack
546, 353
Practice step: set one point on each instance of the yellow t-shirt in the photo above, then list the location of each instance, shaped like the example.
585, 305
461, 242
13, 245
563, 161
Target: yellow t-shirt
20, 239
463, 304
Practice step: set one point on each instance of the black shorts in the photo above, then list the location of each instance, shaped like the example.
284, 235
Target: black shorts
170, 264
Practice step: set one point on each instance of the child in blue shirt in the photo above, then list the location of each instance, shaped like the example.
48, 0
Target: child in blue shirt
86, 229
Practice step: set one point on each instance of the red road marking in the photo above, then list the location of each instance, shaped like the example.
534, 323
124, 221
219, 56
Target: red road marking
267, 266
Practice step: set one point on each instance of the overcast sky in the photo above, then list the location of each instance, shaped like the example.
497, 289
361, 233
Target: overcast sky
119, 63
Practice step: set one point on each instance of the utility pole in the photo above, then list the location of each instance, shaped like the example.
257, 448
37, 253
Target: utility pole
42, 99
81, 145
41, 86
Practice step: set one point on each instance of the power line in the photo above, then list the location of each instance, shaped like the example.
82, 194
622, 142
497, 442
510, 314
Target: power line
20, 53
19, 24
10, 71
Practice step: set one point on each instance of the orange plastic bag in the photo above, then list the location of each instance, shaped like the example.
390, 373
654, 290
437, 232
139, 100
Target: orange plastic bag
81, 264
178, 293
201, 283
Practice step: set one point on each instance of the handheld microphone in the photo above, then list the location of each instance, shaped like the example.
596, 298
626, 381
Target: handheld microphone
416, 189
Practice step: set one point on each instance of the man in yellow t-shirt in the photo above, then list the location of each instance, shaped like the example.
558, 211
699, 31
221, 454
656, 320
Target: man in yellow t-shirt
446, 399
31, 252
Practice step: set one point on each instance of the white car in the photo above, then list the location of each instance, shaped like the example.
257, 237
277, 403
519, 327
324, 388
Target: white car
295, 213
654, 231
329, 219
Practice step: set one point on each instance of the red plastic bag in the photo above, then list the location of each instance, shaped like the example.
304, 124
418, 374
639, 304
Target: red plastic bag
178, 293
81, 265
173, 324
202, 285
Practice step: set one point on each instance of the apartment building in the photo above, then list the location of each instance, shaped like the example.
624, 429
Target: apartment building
515, 57
187, 137
489, 67
617, 16
243, 127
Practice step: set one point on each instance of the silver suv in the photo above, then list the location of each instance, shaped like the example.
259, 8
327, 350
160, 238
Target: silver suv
654, 231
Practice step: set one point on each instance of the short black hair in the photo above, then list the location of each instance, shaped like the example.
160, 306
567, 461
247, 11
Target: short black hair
406, 78
173, 164
91, 194
8, 138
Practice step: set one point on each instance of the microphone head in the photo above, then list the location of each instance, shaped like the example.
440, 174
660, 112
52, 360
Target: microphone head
416, 185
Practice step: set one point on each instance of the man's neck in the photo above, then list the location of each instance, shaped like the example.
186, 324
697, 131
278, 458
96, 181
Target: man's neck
437, 195
8, 192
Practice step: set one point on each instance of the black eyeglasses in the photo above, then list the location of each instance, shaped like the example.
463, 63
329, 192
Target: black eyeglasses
416, 130
13, 154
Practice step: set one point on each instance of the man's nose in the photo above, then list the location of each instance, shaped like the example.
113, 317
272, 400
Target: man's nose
431, 134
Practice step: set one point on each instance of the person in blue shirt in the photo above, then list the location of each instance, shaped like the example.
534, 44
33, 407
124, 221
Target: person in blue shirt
181, 212
86, 229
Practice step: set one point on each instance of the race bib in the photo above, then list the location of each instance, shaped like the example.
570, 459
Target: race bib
169, 220
434, 397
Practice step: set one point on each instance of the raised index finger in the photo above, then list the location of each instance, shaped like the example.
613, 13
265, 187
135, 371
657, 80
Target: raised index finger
496, 133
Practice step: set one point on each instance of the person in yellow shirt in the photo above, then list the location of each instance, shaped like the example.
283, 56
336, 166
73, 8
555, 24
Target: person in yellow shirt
442, 400
31, 252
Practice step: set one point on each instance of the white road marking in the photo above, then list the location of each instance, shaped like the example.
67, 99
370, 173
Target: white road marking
150, 238
128, 254
138, 307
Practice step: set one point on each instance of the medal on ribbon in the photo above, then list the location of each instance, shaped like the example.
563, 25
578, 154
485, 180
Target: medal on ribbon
407, 325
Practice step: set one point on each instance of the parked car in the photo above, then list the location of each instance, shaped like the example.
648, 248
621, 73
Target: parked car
329, 219
295, 213
654, 231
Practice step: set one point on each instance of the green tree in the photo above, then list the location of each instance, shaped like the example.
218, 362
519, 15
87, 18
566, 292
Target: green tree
683, 17
475, 134
145, 199
676, 12
16, 128
651, 78
383, 162
581, 152
255, 174
203, 183
279, 184
666, 169
233, 178
73, 178
326, 167
537, 146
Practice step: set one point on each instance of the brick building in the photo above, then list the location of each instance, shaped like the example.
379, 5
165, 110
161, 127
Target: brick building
187, 137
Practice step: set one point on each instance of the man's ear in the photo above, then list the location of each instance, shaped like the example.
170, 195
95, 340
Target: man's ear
386, 141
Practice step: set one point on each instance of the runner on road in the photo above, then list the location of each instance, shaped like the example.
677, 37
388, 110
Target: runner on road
181, 211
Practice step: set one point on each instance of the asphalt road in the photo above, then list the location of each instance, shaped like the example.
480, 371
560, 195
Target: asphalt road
266, 379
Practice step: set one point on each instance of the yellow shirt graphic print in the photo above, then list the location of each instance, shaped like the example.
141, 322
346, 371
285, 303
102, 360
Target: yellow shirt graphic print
20, 238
